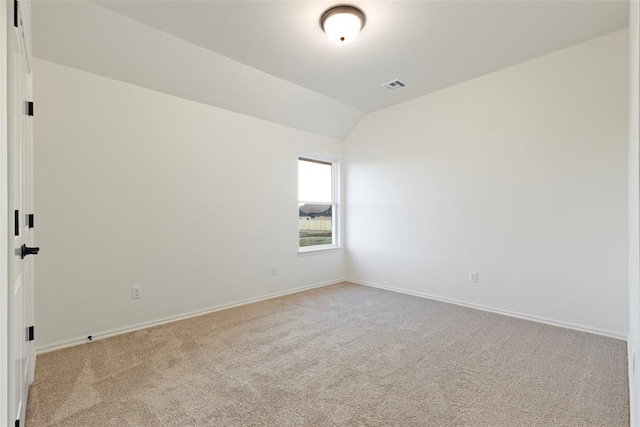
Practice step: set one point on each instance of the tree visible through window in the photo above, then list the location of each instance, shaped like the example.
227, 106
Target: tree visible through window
316, 203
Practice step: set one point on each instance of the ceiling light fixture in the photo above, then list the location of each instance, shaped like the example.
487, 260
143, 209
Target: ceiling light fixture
342, 23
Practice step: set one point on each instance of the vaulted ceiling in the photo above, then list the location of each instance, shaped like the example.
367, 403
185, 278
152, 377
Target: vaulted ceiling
270, 59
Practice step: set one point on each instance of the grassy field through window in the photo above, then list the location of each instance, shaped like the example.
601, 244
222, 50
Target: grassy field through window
315, 237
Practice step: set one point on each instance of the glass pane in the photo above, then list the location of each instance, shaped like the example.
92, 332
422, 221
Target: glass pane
315, 225
314, 181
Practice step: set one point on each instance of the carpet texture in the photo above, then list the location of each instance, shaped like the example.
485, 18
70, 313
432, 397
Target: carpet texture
339, 355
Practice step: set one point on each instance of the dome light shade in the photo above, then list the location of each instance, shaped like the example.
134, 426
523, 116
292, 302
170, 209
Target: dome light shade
342, 23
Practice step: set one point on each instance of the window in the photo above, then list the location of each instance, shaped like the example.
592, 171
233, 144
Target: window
317, 204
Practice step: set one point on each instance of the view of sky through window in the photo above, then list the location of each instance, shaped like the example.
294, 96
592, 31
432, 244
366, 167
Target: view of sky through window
314, 181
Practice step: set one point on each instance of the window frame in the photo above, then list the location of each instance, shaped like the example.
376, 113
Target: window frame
336, 211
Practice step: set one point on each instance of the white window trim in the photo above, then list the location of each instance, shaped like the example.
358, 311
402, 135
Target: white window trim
319, 250
336, 203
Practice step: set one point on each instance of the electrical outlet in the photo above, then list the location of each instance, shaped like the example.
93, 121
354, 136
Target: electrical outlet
274, 270
473, 277
136, 292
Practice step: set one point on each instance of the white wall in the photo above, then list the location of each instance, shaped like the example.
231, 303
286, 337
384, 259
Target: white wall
634, 212
135, 187
519, 175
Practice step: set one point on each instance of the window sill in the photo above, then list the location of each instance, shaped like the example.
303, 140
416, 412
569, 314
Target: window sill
317, 251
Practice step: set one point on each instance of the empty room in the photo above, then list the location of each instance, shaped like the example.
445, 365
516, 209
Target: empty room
312, 213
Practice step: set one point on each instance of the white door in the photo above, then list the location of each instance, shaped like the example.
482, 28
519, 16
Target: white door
21, 349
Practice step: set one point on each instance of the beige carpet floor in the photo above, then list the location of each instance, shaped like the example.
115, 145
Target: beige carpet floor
339, 355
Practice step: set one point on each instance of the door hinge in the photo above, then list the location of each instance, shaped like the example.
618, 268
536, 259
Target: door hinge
30, 220
16, 220
29, 108
31, 333
15, 13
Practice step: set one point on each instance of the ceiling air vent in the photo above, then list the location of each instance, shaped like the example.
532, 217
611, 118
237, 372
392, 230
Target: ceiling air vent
394, 85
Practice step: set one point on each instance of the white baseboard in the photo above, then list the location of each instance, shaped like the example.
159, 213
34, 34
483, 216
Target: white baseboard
538, 319
138, 326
